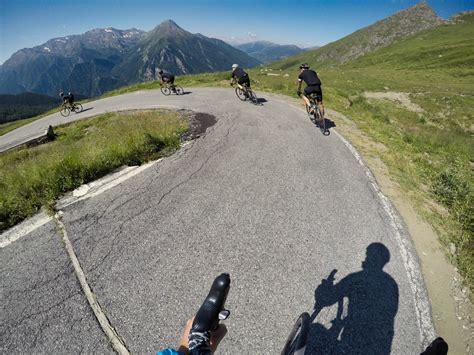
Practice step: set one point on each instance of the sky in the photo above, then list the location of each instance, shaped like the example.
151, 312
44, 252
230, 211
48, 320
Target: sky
28, 23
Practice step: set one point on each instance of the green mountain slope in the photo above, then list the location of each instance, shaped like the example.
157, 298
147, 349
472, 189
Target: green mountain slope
380, 34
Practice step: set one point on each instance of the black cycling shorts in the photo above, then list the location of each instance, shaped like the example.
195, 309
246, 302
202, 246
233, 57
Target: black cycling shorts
245, 80
315, 90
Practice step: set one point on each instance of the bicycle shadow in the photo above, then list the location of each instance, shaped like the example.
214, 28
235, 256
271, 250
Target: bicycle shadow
87, 109
261, 100
186, 93
367, 302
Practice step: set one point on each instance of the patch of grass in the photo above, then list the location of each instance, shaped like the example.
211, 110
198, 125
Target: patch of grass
83, 151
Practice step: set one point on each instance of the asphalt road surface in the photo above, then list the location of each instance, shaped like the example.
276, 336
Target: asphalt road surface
264, 196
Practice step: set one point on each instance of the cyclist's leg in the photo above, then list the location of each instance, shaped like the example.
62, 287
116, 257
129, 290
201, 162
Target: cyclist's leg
319, 99
306, 101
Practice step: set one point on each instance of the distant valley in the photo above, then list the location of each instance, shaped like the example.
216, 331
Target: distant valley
267, 52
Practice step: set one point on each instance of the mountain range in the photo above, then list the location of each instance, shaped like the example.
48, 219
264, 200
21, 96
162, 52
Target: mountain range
104, 59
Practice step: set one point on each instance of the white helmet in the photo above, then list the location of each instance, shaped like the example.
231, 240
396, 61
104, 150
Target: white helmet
234, 66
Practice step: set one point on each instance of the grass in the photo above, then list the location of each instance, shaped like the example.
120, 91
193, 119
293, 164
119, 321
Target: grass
31, 178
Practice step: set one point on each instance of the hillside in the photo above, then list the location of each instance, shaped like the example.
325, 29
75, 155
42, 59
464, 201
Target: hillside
17, 107
381, 34
267, 52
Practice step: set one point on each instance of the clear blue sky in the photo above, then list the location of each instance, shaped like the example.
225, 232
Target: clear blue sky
28, 23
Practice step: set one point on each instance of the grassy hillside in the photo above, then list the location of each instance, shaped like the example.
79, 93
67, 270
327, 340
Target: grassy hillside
378, 35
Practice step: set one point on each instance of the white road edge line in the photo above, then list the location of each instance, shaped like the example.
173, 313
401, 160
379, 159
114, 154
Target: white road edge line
117, 343
24, 228
410, 261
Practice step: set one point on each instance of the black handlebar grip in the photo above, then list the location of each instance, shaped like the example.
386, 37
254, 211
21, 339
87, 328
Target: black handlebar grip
207, 318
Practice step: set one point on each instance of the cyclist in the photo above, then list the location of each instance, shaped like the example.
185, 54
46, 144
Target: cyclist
67, 99
240, 75
167, 78
313, 85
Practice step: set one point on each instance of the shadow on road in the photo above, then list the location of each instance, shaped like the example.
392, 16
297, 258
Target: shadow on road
261, 100
367, 302
87, 109
186, 92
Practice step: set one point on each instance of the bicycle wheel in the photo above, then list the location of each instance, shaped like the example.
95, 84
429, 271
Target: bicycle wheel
64, 111
77, 107
296, 342
240, 94
252, 97
165, 90
179, 90
322, 122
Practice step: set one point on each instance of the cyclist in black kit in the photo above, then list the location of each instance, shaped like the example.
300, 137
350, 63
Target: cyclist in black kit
313, 85
67, 99
240, 75
167, 78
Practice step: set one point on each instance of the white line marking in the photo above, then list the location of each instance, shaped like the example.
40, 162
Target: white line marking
24, 228
98, 187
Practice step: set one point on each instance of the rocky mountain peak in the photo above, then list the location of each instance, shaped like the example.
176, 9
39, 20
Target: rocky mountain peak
167, 27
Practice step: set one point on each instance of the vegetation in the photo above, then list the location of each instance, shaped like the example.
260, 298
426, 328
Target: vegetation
83, 151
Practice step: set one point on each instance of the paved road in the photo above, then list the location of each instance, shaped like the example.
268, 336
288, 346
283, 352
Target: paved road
263, 196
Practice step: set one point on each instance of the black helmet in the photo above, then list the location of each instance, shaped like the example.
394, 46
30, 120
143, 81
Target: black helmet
160, 72
61, 94
304, 66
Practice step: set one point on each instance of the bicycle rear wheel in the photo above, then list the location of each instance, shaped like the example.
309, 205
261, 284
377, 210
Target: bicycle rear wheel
240, 94
322, 121
165, 90
296, 342
179, 90
64, 111
77, 107
252, 97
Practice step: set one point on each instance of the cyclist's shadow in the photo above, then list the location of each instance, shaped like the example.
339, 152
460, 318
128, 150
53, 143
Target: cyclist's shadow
367, 302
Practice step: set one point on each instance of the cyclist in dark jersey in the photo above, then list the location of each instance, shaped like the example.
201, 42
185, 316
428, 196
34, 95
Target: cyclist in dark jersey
167, 78
69, 98
240, 75
313, 85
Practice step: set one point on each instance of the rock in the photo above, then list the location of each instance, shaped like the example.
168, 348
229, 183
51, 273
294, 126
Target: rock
452, 248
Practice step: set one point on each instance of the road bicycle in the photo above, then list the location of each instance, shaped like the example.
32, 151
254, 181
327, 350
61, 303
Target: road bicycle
168, 88
316, 115
66, 108
244, 93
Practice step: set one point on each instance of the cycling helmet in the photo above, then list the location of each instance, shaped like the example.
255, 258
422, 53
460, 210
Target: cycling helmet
235, 66
304, 66
160, 72
61, 94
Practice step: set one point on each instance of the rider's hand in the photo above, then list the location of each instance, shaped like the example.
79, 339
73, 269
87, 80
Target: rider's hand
216, 336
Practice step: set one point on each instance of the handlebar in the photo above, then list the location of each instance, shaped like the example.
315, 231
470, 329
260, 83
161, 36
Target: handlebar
212, 310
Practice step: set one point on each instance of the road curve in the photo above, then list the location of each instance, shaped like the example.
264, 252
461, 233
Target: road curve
264, 196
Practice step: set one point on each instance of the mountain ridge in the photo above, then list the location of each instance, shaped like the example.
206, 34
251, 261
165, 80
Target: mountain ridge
377, 35
99, 60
